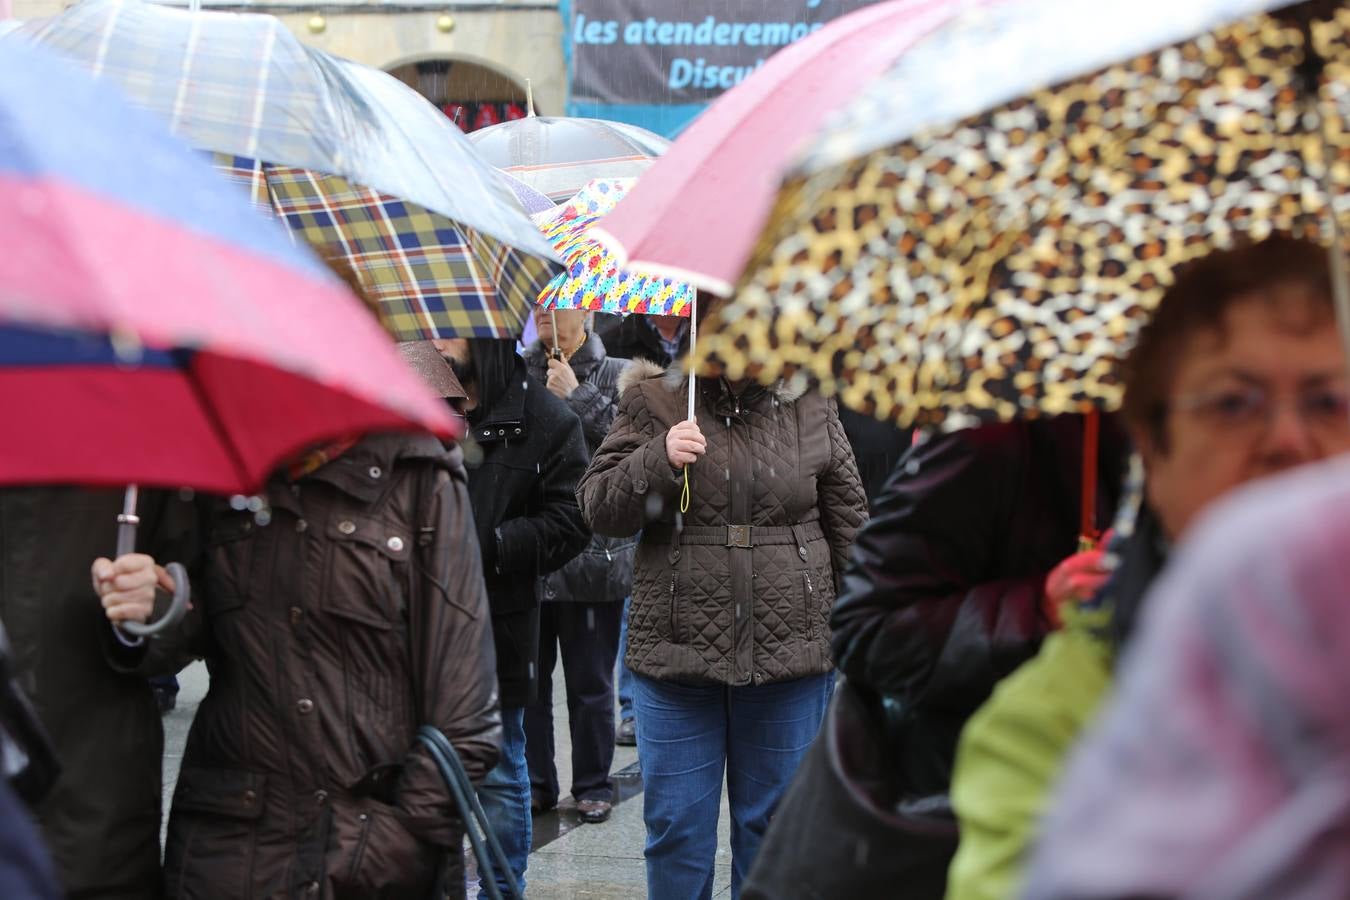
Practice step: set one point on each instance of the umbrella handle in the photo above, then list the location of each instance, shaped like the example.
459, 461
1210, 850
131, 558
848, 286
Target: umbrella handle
182, 592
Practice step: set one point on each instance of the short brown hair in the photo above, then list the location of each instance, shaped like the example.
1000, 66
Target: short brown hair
1199, 300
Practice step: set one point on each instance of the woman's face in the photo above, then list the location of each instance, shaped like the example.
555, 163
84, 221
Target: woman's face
1265, 393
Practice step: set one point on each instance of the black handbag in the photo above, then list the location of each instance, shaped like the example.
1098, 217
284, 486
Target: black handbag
847, 826
486, 849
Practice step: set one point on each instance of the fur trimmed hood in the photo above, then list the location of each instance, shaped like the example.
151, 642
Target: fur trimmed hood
640, 370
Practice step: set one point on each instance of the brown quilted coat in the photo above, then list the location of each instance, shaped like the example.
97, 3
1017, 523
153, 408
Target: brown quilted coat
742, 593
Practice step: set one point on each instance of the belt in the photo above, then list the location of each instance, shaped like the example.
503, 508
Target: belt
745, 536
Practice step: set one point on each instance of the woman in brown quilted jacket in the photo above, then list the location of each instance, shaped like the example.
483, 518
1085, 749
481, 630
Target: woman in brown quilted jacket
728, 635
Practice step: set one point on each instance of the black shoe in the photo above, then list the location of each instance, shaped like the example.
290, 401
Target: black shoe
593, 812
626, 736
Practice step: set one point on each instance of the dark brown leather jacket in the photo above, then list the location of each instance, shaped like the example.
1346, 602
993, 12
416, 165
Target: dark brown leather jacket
356, 613
740, 595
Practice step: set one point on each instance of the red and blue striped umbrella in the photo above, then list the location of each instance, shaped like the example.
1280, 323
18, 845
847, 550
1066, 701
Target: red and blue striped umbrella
153, 327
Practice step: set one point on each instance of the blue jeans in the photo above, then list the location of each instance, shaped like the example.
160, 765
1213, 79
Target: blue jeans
505, 795
622, 677
688, 736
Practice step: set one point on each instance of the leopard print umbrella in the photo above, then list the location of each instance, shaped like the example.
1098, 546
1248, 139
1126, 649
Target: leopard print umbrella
939, 274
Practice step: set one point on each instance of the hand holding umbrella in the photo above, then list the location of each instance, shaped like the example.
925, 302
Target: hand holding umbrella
685, 443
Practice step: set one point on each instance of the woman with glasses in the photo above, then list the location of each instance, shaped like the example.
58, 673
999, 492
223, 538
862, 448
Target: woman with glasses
1240, 374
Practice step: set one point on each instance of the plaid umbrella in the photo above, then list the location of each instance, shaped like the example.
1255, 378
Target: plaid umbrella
437, 235
430, 278
593, 279
981, 233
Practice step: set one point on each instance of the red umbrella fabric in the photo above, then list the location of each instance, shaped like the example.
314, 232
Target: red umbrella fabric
153, 327
677, 222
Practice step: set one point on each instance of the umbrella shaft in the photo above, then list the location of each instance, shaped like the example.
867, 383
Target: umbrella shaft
127, 522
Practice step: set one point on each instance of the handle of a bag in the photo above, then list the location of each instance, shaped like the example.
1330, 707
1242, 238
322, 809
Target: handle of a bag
486, 849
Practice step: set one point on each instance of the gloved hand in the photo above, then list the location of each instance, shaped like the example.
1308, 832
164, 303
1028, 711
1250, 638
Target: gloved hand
1075, 580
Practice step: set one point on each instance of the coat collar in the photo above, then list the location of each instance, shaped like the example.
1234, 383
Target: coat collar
506, 420
675, 379
364, 470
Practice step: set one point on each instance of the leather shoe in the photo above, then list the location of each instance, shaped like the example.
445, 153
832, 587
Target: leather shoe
626, 736
593, 812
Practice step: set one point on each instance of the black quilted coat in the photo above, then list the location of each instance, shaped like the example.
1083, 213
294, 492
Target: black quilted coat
741, 594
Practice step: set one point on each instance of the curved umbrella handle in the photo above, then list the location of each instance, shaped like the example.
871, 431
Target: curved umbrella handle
182, 592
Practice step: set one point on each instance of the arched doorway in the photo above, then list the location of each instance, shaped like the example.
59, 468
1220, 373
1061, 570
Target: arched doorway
473, 95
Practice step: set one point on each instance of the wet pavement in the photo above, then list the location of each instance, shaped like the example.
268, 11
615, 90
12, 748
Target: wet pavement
571, 860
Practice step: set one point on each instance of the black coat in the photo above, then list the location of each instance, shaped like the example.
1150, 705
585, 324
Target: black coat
877, 446
632, 337
944, 593
101, 819
523, 492
603, 572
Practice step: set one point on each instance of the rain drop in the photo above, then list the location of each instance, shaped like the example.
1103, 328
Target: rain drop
912, 467
590, 619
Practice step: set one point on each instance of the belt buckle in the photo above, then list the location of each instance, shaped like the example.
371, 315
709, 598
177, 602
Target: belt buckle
738, 536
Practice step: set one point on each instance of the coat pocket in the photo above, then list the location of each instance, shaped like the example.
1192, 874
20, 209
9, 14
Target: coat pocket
212, 832
363, 576
231, 793
373, 856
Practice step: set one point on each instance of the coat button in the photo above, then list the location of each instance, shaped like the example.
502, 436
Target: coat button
305, 705
301, 526
501, 432
320, 798
801, 551
297, 615
519, 430
347, 526
250, 798
640, 486
395, 543
375, 472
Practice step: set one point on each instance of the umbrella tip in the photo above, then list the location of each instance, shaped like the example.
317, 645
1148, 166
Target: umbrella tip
529, 98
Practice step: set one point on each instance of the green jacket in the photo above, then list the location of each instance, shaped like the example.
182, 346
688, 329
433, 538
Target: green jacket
1012, 752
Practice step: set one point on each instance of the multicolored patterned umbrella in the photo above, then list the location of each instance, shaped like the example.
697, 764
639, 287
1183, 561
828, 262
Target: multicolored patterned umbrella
593, 279
242, 85
970, 243
430, 278
156, 329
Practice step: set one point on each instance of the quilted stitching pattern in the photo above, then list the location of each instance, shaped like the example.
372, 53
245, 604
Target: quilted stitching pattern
793, 462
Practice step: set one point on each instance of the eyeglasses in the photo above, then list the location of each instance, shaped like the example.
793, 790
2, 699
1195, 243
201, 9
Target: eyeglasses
1325, 407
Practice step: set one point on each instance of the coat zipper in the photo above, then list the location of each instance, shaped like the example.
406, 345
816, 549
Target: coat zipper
810, 605
360, 847
674, 612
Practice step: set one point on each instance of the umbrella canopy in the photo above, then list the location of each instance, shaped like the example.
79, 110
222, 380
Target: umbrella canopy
593, 279
157, 330
678, 222
242, 85
430, 278
559, 156
980, 235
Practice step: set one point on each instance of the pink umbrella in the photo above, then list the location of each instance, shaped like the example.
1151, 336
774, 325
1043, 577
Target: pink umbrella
696, 213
